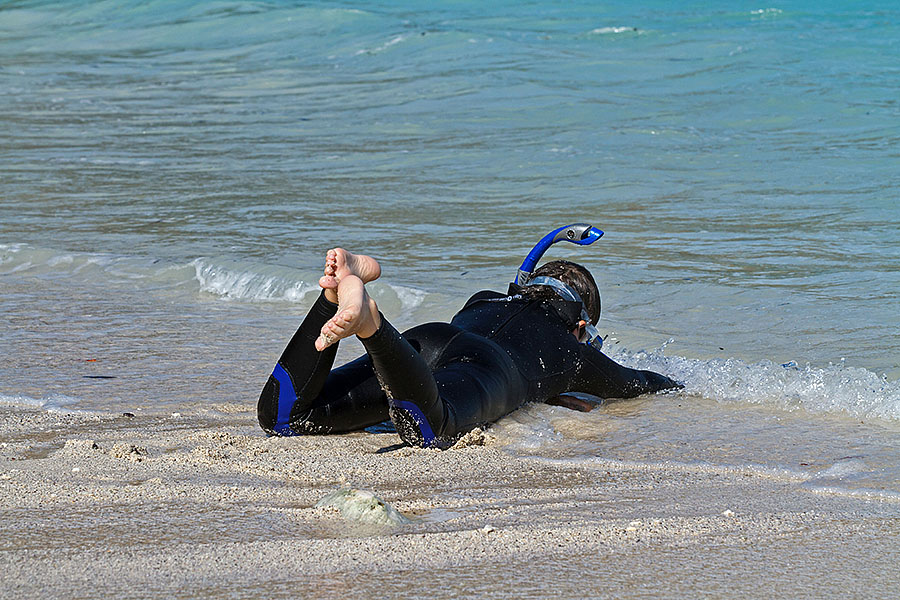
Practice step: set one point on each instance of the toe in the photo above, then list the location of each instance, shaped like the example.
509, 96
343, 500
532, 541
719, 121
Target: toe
321, 343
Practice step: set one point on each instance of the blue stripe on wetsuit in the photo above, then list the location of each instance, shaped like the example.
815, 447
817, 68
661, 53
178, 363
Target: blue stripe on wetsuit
286, 398
419, 418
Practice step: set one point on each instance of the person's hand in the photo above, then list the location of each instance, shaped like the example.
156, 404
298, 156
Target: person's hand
572, 403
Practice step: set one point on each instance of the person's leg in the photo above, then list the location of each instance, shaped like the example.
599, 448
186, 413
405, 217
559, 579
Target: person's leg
476, 380
302, 391
403, 374
350, 400
304, 395
442, 382
415, 406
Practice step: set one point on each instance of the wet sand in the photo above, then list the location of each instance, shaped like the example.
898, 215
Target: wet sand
204, 505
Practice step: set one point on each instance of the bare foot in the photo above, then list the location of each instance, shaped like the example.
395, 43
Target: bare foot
340, 263
357, 314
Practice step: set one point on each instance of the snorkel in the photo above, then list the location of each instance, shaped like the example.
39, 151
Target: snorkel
582, 234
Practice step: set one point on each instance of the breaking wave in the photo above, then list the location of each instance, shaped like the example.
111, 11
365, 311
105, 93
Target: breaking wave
244, 281
51, 403
836, 388
256, 283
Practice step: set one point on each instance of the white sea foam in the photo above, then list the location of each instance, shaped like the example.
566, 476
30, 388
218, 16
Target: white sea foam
613, 30
250, 282
51, 403
766, 12
410, 298
392, 42
833, 389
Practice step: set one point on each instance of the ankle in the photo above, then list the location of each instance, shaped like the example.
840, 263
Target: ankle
372, 323
331, 295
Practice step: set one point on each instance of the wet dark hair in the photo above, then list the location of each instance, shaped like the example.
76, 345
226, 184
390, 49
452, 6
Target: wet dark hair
579, 278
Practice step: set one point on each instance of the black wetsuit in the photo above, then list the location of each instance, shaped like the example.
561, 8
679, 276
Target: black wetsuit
439, 380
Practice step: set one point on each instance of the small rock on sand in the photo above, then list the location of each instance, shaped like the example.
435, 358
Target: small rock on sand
135, 453
363, 506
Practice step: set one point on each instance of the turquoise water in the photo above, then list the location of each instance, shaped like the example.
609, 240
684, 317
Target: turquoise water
171, 174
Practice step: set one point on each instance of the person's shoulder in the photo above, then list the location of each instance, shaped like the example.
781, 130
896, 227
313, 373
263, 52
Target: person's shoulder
485, 295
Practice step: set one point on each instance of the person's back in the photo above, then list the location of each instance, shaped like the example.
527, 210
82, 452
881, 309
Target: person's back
536, 333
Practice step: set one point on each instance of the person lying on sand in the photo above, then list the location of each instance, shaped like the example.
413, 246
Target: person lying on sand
438, 381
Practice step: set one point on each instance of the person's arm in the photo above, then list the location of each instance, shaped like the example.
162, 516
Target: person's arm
601, 376
571, 402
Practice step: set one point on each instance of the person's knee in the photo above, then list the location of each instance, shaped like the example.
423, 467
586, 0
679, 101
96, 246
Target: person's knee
413, 427
406, 427
267, 407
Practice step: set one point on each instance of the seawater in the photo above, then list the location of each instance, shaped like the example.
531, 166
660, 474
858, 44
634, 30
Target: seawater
171, 174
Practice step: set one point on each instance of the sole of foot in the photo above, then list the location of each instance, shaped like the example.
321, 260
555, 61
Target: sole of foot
340, 263
356, 314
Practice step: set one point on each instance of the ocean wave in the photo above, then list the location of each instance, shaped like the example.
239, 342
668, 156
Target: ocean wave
264, 283
51, 403
240, 281
613, 30
23, 258
229, 279
392, 42
766, 12
219, 276
108, 270
836, 388
408, 297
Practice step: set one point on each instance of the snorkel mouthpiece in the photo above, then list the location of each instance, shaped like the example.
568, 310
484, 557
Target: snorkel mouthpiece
593, 337
582, 234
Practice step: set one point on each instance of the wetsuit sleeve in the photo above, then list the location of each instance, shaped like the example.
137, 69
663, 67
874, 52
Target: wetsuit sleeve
601, 376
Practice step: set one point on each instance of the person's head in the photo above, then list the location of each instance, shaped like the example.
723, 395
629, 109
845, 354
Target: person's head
579, 278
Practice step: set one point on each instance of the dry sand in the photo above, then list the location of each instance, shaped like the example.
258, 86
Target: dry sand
205, 506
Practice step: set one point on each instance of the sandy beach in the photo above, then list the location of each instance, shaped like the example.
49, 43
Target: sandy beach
204, 505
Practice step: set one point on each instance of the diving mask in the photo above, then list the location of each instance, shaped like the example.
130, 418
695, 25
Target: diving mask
567, 292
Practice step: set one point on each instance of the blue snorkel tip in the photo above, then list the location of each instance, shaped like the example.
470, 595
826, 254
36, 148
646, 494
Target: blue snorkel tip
582, 234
